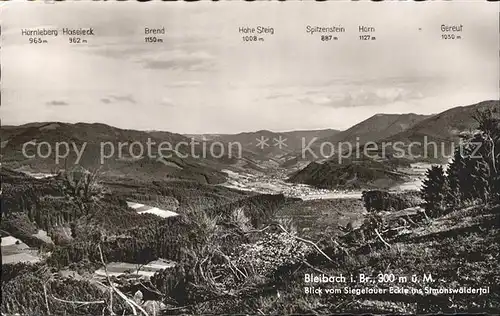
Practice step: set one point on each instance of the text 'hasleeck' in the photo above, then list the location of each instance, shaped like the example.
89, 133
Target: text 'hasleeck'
89, 31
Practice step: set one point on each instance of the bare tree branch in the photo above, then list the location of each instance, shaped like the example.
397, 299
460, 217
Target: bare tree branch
133, 305
46, 299
380, 237
78, 302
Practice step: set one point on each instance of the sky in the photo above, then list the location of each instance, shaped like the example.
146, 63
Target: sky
203, 78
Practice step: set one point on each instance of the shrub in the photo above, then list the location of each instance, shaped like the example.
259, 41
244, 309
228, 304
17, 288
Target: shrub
376, 200
270, 252
434, 189
82, 187
25, 294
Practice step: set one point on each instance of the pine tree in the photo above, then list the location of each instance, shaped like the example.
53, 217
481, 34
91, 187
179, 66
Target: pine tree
489, 167
483, 181
468, 174
454, 194
434, 189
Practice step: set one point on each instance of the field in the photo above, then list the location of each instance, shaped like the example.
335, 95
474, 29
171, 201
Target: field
314, 217
14, 251
130, 269
145, 209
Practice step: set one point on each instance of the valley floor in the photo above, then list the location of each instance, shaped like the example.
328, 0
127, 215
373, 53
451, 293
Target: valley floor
277, 184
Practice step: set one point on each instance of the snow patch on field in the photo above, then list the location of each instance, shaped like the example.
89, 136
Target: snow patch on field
414, 185
148, 270
38, 175
145, 209
15, 251
42, 235
159, 212
20, 257
333, 195
9, 241
134, 205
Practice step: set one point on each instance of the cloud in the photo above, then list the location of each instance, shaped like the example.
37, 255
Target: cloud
167, 102
118, 50
189, 54
118, 46
361, 97
353, 92
57, 103
279, 96
182, 84
118, 98
178, 60
124, 98
389, 81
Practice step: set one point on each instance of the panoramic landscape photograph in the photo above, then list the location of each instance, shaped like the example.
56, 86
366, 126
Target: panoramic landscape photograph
250, 159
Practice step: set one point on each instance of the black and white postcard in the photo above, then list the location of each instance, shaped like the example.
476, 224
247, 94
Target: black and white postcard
250, 157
